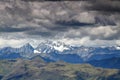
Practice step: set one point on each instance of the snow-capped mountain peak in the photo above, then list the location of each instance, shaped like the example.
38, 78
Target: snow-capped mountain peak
56, 49
51, 46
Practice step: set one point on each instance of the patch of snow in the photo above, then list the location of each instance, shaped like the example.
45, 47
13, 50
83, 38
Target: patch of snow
118, 48
60, 48
36, 52
103, 46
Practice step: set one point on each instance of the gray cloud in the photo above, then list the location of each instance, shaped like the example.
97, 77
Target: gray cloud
109, 6
73, 23
95, 33
95, 19
44, 34
12, 29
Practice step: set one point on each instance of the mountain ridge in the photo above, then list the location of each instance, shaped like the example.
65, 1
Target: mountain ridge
36, 69
50, 51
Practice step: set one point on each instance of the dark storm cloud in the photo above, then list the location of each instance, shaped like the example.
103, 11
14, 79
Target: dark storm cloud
110, 6
52, 0
73, 23
58, 28
59, 17
62, 26
46, 34
99, 5
12, 29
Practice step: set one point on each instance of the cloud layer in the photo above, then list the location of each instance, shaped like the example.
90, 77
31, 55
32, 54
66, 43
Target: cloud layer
88, 20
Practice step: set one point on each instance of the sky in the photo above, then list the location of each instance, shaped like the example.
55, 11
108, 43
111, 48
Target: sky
83, 22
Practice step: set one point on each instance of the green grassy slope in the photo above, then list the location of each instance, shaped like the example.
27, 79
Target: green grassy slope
37, 69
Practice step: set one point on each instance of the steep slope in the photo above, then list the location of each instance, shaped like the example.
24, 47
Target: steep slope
107, 63
26, 51
9, 53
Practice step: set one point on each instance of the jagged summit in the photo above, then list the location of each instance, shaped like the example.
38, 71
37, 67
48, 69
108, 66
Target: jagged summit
50, 46
56, 50
27, 45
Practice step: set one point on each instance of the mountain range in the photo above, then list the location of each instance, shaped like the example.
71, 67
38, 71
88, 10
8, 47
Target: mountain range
52, 51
